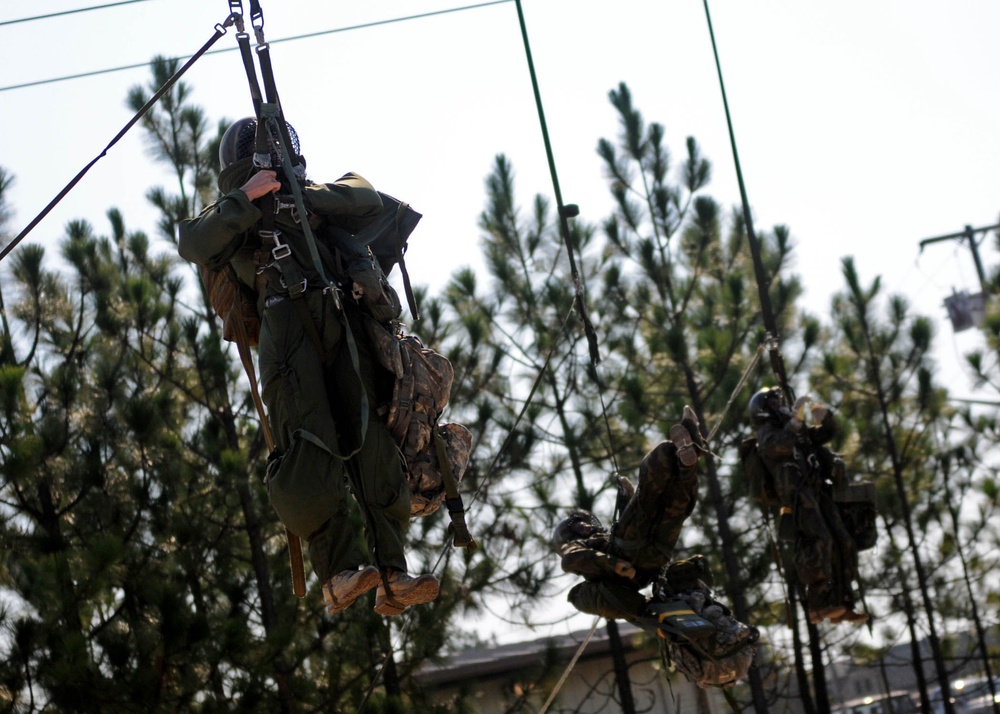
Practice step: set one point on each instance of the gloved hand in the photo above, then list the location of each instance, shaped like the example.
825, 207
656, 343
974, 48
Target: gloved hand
798, 413
625, 569
819, 412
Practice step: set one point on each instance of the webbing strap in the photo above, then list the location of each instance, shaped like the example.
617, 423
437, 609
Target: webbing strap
243, 39
220, 30
410, 300
462, 538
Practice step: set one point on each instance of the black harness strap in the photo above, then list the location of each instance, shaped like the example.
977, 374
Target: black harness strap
243, 39
410, 300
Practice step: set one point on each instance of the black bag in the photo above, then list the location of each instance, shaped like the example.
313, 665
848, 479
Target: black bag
387, 236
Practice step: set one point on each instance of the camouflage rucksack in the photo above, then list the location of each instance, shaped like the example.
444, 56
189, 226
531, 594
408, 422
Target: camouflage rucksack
721, 650
761, 480
433, 453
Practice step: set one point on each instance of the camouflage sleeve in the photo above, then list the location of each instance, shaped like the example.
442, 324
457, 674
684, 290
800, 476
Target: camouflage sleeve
579, 559
211, 238
350, 202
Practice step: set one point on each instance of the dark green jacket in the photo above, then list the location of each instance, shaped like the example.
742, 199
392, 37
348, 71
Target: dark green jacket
226, 231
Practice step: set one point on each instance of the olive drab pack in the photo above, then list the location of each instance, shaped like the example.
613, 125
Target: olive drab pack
762, 486
234, 302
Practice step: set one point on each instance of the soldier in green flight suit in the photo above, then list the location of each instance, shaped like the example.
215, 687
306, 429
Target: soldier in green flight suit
314, 388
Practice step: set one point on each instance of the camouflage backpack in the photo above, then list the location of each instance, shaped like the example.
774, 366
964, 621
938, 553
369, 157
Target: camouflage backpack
433, 453
721, 651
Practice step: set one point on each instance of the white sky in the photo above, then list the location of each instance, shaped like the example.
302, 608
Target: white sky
864, 125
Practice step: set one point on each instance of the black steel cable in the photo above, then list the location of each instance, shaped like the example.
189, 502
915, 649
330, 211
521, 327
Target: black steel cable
68, 12
294, 38
220, 30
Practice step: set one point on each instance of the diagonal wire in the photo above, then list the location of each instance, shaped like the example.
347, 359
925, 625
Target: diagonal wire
293, 38
220, 30
569, 667
68, 12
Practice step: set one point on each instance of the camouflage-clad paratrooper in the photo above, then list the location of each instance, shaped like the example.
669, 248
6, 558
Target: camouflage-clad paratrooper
805, 475
706, 643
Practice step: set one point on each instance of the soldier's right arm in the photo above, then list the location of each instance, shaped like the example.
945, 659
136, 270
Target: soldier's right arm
217, 233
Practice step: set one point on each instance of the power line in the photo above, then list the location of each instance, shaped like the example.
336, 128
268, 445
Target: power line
69, 12
307, 36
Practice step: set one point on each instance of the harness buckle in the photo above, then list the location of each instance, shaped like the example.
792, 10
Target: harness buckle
335, 292
295, 290
281, 251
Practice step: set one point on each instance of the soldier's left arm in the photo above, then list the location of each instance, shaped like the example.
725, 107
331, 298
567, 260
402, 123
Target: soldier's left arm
350, 202
590, 563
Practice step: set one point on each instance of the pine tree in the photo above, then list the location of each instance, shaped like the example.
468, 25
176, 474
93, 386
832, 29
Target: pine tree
895, 410
681, 295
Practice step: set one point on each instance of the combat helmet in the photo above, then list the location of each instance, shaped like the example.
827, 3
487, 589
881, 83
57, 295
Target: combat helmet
240, 142
579, 524
765, 405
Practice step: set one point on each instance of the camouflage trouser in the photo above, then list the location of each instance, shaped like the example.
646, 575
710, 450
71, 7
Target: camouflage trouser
826, 558
314, 410
609, 599
650, 525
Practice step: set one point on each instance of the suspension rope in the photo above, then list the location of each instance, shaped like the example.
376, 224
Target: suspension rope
763, 281
220, 30
565, 212
569, 667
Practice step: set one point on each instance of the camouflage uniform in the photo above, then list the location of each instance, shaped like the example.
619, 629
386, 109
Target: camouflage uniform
643, 538
724, 655
314, 404
826, 556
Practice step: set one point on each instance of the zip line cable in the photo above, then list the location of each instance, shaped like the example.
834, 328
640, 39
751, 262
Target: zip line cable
569, 667
220, 30
68, 12
293, 38
565, 212
763, 282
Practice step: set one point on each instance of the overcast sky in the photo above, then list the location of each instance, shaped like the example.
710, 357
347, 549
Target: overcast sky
864, 125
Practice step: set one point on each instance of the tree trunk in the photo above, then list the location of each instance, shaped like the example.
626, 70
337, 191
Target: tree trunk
621, 669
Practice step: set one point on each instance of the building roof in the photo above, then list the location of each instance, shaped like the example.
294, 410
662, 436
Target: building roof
501, 659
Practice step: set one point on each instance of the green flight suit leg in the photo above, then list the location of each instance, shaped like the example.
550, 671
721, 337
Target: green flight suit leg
314, 410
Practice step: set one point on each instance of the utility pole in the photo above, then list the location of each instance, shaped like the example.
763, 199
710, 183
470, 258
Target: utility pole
968, 234
966, 310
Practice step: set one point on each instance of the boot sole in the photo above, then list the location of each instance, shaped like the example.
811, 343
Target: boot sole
417, 595
686, 452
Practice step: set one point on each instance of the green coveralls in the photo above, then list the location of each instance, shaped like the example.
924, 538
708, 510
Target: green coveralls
314, 409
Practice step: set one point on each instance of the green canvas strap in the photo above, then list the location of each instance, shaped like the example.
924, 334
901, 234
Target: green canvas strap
462, 538
271, 115
410, 300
